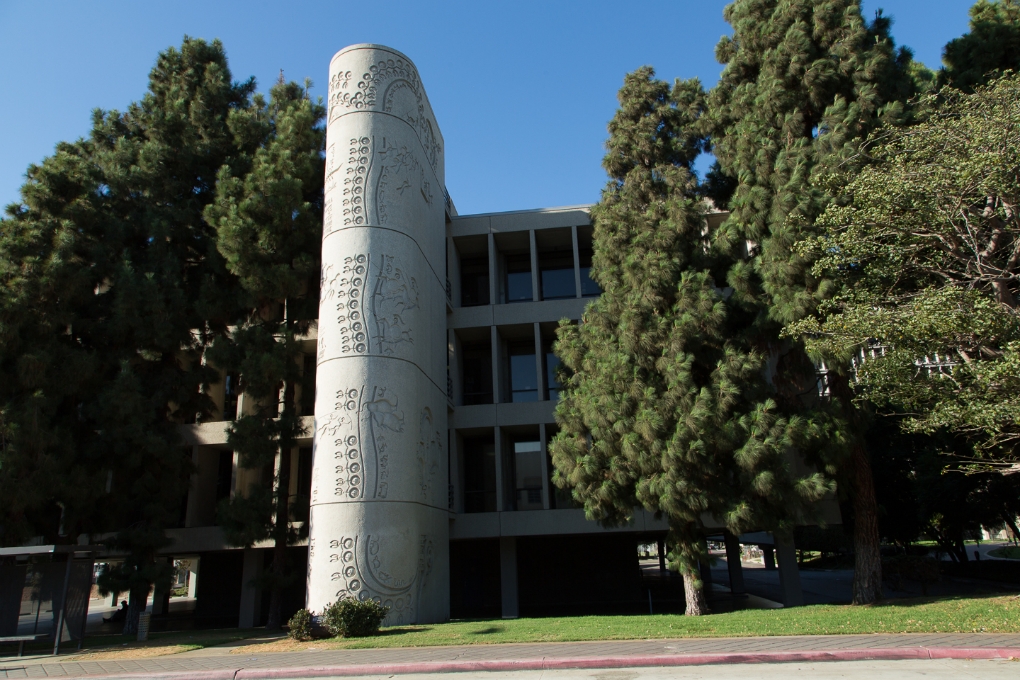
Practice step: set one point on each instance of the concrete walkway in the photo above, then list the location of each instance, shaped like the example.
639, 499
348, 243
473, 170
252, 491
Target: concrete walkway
531, 656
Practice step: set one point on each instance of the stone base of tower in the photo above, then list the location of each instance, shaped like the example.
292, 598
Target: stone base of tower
398, 557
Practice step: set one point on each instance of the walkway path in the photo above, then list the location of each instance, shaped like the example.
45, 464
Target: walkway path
531, 656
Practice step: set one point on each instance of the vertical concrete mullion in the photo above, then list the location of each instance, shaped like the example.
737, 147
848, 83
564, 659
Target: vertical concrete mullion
453, 474
532, 245
733, 565
493, 271
500, 491
497, 373
539, 356
577, 262
542, 434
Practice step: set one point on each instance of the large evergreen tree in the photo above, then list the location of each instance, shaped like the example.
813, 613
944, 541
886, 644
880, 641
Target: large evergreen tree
804, 81
113, 285
991, 47
664, 408
269, 223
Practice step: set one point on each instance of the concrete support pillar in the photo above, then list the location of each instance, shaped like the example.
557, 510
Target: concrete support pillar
508, 576
497, 366
193, 577
577, 262
789, 575
660, 547
768, 555
536, 292
379, 525
733, 565
250, 614
539, 362
495, 285
161, 596
706, 577
543, 437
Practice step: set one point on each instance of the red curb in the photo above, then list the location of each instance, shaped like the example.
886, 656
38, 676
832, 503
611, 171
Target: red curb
634, 661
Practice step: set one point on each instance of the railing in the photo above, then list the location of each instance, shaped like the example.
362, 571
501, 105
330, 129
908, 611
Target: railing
937, 364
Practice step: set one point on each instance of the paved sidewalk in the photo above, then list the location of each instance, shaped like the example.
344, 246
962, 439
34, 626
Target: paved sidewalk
530, 656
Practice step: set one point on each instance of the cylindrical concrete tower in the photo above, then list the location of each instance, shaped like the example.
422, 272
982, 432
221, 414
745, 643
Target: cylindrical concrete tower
379, 521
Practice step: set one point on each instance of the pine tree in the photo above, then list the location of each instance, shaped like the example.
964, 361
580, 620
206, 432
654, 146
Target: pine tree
804, 82
664, 408
269, 222
990, 48
117, 273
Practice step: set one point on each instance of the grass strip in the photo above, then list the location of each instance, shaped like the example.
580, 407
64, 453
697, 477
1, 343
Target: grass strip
921, 615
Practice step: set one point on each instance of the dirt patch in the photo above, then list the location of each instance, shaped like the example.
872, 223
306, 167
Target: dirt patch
129, 653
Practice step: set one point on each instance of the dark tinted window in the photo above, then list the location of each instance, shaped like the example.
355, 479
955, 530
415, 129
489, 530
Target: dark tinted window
588, 287
474, 281
557, 275
476, 374
523, 373
518, 278
479, 474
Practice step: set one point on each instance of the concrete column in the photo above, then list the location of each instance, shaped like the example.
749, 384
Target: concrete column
733, 565
508, 576
543, 438
577, 262
661, 549
161, 596
536, 294
497, 366
250, 614
768, 554
494, 282
193, 577
500, 470
789, 575
454, 478
706, 577
379, 524
539, 362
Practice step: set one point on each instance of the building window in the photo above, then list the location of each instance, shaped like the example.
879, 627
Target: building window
230, 394
474, 281
480, 474
527, 475
551, 363
556, 271
588, 286
523, 373
518, 278
476, 374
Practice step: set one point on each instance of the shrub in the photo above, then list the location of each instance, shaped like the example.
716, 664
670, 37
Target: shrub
300, 625
349, 617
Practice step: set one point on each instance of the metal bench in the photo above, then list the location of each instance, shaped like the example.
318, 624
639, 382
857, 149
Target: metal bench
21, 640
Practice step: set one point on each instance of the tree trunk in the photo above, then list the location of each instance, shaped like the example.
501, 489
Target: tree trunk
694, 593
867, 585
282, 525
136, 605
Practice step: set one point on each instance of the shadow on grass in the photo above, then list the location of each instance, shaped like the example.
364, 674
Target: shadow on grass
487, 631
908, 602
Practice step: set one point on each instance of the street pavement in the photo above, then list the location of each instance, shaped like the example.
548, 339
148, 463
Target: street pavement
502, 658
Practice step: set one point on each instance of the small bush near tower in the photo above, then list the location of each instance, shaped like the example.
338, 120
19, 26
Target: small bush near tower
349, 617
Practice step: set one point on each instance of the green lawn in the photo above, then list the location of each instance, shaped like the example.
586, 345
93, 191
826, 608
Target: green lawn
923, 615
989, 614
1010, 552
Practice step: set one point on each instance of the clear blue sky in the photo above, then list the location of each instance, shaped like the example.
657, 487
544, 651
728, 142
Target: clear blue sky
522, 90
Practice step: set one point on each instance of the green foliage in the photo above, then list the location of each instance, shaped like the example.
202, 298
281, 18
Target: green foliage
300, 625
991, 48
925, 255
665, 408
268, 218
349, 617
